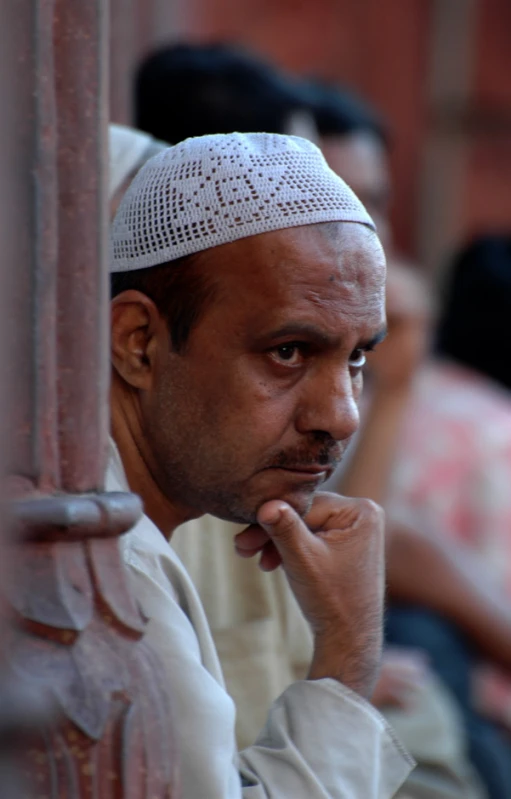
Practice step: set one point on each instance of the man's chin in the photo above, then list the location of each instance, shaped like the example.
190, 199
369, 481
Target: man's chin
301, 502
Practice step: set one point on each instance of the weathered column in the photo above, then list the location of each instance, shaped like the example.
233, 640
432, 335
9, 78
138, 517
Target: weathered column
77, 633
125, 25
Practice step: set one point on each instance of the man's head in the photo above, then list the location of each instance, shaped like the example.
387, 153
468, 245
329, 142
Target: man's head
354, 143
249, 284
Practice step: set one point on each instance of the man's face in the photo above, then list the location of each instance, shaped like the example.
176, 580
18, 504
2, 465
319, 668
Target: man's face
263, 400
360, 160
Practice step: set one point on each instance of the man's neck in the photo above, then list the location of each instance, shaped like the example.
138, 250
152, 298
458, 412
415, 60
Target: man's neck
133, 451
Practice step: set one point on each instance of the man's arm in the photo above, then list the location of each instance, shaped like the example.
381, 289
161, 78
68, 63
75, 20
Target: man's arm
334, 562
321, 739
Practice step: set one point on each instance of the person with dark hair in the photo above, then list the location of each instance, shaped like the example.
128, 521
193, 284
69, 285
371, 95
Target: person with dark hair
473, 329
452, 481
188, 90
439, 603
355, 142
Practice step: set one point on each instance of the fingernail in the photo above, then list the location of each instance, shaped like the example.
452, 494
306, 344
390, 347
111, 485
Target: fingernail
272, 517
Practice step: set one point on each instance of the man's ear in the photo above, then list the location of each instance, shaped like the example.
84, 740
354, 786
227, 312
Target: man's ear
135, 325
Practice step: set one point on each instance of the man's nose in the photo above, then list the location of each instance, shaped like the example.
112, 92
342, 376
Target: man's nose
329, 405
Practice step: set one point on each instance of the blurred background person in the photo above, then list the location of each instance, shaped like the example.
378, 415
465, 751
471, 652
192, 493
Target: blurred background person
193, 90
421, 495
452, 480
355, 142
128, 150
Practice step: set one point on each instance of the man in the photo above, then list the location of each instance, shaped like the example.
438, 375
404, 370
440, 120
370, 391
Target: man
263, 641
248, 283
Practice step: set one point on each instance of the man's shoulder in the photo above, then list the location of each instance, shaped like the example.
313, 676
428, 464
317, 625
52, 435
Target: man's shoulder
145, 543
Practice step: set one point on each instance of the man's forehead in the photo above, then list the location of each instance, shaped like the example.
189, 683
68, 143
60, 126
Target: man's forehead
302, 274
302, 252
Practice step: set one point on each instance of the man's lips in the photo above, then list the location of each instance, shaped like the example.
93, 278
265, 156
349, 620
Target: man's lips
318, 471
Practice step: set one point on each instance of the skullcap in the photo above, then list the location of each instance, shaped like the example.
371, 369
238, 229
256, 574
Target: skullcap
211, 190
128, 150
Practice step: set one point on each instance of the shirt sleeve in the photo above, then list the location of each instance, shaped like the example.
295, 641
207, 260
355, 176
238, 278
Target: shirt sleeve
323, 740
320, 741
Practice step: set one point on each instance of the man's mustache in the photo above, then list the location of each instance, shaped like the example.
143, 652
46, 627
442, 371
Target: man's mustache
329, 454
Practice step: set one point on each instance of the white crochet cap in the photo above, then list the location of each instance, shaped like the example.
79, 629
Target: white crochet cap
212, 190
129, 149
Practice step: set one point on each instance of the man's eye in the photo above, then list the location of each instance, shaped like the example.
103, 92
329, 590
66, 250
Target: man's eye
358, 359
290, 354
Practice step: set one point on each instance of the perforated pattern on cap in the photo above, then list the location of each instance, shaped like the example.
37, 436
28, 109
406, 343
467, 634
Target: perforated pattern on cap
215, 189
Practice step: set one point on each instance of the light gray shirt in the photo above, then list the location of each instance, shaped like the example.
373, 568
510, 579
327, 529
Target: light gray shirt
321, 740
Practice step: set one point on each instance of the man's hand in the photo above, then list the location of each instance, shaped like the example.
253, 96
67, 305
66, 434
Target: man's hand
334, 561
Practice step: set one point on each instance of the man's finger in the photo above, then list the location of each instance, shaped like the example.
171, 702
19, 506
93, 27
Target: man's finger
252, 539
270, 558
248, 553
285, 528
332, 512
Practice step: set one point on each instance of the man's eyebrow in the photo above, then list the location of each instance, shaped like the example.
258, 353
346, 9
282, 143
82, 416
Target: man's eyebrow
300, 329
319, 336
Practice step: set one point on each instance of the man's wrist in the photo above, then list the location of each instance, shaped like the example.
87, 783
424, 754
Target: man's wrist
357, 668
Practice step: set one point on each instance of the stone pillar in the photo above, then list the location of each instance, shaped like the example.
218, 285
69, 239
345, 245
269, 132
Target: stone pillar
77, 633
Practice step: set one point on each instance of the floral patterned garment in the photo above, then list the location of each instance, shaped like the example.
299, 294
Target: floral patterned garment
453, 477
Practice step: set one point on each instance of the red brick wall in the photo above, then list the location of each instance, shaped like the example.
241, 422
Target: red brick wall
379, 48
386, 50
487, 197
